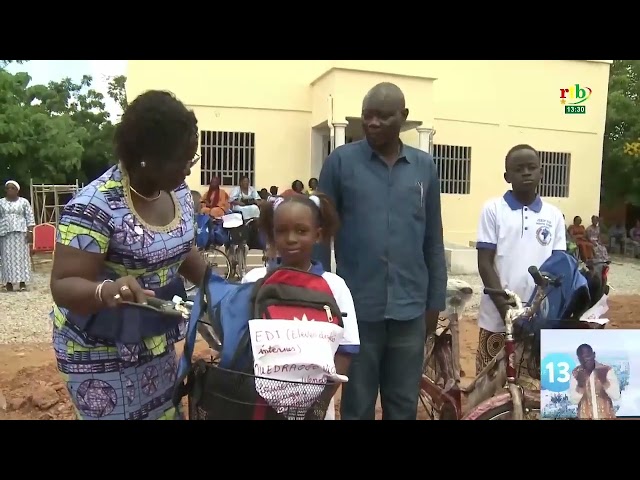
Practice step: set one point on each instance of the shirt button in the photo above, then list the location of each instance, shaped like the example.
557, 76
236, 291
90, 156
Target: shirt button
526, 228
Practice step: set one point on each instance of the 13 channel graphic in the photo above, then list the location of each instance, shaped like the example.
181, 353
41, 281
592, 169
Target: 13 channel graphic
589, 374
573, 97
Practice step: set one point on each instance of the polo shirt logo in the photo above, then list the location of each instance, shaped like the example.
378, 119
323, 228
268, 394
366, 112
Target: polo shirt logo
543, 235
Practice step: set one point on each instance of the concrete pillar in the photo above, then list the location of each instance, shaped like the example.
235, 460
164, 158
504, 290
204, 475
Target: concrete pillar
340, 134
425, 139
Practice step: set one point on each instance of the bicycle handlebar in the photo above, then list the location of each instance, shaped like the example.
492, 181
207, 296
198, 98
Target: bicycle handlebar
517, 309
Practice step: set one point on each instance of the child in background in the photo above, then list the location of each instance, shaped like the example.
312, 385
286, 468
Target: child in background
197, 198
293, 225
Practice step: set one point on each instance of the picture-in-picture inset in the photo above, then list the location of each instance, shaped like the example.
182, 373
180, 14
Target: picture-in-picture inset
590, 374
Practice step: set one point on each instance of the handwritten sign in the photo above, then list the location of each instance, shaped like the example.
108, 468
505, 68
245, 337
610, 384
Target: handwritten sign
294, 351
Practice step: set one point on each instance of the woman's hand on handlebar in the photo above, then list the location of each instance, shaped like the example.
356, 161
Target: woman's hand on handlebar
124, 289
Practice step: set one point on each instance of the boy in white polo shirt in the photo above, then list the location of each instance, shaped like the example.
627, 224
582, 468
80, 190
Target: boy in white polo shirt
515, 231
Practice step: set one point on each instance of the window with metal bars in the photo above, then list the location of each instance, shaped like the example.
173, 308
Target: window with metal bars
228, 155
454, 168
555, 174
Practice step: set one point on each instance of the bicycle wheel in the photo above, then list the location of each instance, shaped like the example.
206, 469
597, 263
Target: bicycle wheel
219, 263
503, 412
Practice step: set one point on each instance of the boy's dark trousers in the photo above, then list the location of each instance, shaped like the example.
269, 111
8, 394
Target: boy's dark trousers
390, 359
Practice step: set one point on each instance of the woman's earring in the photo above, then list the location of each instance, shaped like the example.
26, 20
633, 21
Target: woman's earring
143, 164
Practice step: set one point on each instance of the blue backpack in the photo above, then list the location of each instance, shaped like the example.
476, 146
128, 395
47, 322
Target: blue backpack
229, 307
203, 225
563, 302
209, 232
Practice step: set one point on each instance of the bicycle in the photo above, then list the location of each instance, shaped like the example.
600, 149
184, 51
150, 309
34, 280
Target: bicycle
497, 392
217, 260
215, 393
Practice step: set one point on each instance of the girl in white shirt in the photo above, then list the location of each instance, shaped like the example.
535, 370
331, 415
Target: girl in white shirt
294, 224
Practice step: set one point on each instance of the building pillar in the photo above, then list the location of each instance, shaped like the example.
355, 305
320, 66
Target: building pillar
425, 139
340, 134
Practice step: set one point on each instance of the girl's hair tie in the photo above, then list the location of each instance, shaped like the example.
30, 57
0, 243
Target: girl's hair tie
315, 200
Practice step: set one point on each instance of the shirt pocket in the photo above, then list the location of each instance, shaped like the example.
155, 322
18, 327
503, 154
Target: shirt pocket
416, 201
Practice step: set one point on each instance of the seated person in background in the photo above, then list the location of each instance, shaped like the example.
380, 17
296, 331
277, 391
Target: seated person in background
273, 190
296, 187
593, 235
244, 199
572, 248
617, 233
197, 200
579, 235
216, 200
264, 194
313, 186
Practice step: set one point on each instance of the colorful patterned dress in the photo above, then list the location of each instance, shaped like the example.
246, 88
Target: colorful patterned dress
15, 260
110, 380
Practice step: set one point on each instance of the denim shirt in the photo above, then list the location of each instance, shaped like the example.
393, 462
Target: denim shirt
389, 249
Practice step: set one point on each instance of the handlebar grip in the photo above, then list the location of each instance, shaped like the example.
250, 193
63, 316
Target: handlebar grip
538, 279
496, 291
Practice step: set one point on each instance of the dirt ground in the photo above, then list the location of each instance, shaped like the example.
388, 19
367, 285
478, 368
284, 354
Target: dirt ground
31, 387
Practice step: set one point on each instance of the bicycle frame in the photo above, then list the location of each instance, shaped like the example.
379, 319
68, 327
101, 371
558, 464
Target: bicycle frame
483, 393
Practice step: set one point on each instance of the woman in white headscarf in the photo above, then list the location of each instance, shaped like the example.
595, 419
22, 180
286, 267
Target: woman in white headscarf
16, 225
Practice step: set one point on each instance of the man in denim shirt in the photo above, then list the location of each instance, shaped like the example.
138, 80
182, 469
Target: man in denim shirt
390, 252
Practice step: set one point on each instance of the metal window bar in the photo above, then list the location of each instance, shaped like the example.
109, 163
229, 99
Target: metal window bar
454, 168
228, 155
556, 172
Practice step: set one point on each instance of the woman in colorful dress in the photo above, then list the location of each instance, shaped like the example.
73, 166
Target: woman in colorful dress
128, 235
16, 225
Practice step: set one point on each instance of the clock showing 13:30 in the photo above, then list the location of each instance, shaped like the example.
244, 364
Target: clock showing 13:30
556, 369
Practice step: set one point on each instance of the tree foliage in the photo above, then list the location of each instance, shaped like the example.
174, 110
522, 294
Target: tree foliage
54, 133
621, 153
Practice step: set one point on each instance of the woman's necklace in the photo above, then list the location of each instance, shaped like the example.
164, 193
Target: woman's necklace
148, 199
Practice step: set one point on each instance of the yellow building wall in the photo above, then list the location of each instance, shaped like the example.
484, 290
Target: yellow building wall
487, 105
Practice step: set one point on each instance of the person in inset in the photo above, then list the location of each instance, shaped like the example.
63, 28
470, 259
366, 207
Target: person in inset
515, 231
16, 230
579, 235
313, 186
294, 224
390, 252
126, 236
244, 199
216, 200
593, 386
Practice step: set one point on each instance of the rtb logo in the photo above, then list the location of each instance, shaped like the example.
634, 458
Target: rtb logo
573, 97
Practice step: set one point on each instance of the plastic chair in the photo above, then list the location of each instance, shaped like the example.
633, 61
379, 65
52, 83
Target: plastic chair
44, 240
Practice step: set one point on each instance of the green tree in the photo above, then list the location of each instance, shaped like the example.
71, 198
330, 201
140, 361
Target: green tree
117, 92
86, 109
621, 166
33, 142
55, 133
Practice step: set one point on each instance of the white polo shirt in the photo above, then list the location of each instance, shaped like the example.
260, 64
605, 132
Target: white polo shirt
521, 236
